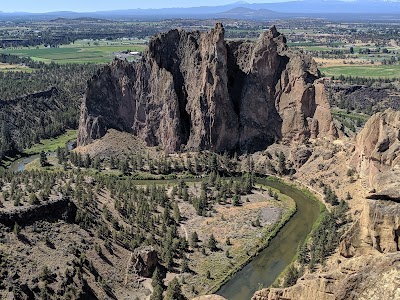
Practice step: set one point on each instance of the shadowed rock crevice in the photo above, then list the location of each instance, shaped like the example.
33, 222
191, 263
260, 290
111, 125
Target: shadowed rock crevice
195, 91
53, 210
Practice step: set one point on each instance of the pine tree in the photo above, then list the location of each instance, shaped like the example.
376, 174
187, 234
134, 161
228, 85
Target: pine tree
176, 212
208, 274
88, 161
174, 291
43, 159
17, 229
185, 265
236, 200
194, 239
157, 293
33, 199
156, 278
212, 243
282, 163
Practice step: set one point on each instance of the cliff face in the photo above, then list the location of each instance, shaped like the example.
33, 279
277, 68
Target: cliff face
52, 210
362, 278
193, 90
377, 154
376, 231
367, 263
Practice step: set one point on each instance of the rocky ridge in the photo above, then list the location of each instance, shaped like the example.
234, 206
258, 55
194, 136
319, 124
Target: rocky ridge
194, 91
377, 155
366, 264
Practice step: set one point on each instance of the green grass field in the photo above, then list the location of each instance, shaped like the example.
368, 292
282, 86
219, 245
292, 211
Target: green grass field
79, 52
378, 71
51, 145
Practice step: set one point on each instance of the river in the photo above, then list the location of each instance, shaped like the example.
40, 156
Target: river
263, 270
20, 164
269, 264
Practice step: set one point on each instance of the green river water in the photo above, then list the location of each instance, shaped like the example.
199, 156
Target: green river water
263, 270
268, 265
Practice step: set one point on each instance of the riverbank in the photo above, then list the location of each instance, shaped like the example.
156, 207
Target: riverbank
239, 225
282, 249
267, 239
311, 194
212, 271
21, 160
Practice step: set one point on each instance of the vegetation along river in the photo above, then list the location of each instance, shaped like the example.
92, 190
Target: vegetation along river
269, 264
20, 164
265, 268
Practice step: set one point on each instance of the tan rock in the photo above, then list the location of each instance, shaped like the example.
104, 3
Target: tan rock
377, 230
209, 297
367, 263
377, 154
363, 278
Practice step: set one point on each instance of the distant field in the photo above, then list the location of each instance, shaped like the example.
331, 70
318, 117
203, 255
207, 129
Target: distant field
309, 46
13, 68
373, 71
80, 52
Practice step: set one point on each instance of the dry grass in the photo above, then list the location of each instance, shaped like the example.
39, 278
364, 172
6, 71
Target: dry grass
10, 67
235, 223
30, 254
327, 62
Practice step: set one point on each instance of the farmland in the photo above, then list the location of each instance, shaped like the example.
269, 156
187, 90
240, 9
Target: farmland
373, 71
83, 51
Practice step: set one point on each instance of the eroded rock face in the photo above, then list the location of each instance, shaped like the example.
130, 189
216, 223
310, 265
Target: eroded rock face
52, 210
144, 261
375, 278
367, 264
377, 154
377, 230
194, 90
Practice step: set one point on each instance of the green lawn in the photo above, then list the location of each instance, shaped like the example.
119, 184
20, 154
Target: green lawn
79, 52
51, 145
377, 71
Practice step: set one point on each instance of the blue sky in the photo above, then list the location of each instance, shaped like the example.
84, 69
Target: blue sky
98, 5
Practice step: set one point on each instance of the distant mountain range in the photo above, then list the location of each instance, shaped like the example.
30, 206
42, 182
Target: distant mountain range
243, 10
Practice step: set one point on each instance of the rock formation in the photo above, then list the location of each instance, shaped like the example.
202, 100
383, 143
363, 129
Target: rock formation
363, 278
145, 261
195, 91
377, 154
367, 263
52, 210
376, 231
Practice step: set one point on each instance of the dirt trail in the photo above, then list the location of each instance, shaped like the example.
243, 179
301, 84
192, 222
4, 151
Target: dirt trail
128, 264
186, 234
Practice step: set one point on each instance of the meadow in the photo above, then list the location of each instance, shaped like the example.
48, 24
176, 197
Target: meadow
13, 68
83, 51
51, 145
372, 71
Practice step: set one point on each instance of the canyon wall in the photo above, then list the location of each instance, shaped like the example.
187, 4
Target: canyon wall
194, 91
